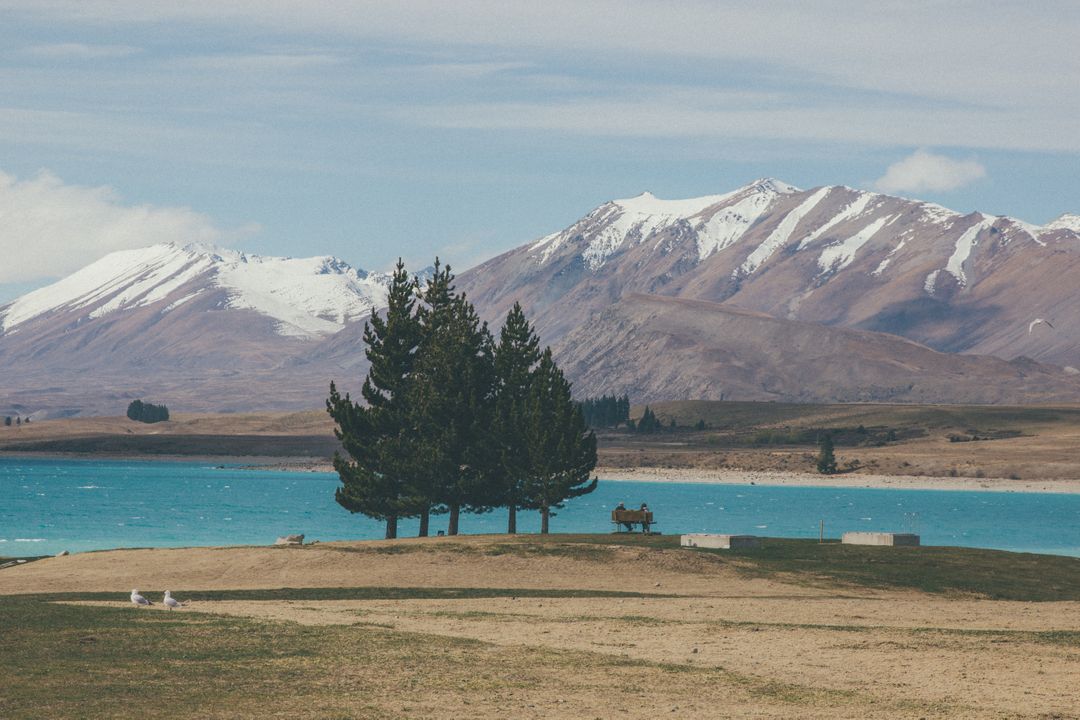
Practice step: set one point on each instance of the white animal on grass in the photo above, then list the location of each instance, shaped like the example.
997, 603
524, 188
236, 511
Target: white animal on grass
1038, 321
138, 599
171, 602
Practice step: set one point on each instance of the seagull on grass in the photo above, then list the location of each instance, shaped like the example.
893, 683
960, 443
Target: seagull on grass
171, 602
138, 599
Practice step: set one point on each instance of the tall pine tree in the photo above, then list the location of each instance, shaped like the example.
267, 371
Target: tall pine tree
378, 436
562, 451
453, 403
826, 461
516, 355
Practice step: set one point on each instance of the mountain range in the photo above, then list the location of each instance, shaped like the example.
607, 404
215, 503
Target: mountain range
766, 292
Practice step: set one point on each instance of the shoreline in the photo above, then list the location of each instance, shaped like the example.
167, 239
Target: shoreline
772, 478
1067, 486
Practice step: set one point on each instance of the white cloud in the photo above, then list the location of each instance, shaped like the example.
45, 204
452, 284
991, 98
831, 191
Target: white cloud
49, 228
924, 171
662, 112
847, 72
850, 42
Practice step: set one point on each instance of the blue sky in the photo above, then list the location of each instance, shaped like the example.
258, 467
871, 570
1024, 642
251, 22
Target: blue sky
372, 130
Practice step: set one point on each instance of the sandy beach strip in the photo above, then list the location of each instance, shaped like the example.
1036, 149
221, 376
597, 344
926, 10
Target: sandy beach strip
778, 478
847, 480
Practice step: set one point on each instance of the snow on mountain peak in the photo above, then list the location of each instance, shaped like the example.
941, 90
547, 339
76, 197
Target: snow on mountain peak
308, 296
1068, 221
841, 219
646, 204
638, 218
768, 184
305, 296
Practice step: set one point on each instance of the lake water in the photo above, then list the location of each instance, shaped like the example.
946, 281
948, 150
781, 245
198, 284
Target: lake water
51, 505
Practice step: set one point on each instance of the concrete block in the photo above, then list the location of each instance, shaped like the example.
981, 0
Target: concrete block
881, 538
722, 542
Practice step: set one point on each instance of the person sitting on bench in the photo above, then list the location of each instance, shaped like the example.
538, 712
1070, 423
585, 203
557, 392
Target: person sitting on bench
644, 518
628, 525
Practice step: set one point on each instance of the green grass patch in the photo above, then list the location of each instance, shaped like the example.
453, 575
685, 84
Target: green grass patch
994, 574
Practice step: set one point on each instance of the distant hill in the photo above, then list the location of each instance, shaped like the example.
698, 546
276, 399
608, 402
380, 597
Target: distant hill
672, 349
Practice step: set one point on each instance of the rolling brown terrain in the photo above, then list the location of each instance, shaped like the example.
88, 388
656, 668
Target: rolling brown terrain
1030, 443
931, 441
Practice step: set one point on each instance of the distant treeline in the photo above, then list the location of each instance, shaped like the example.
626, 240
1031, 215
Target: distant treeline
454, 420
606, 411
609, 411
17, 420
147, 412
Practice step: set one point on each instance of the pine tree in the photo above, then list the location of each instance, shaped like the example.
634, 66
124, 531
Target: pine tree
378, 436
562, 451
7, 421
826, 462
453, 403
516, 355
648, 422
135, 410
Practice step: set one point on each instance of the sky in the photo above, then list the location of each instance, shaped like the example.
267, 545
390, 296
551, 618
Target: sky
415, 128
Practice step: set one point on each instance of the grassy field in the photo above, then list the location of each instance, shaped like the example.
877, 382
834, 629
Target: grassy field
950, 571
993, 574
89, 662
770, 633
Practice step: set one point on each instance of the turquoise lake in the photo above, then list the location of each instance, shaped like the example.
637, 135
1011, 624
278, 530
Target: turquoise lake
51, 505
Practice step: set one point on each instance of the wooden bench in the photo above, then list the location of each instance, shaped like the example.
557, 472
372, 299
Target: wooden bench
627, 519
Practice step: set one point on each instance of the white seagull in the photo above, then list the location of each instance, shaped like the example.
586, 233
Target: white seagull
138, 599
1038, 321
171, 602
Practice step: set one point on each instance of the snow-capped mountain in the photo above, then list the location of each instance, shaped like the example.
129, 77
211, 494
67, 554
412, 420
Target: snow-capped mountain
303, 297
728, 295
834, 255
200, 327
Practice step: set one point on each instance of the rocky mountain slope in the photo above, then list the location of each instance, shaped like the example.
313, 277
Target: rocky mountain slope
664, 348
834, 255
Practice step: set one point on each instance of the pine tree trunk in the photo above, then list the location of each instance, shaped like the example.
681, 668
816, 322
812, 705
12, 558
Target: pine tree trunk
425, 517
511, 523
452, 525
545, 513
391, 527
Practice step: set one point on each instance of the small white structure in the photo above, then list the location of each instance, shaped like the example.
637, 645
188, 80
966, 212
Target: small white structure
881, 538
720, 542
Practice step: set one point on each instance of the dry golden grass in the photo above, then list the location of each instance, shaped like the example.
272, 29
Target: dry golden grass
565, 627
